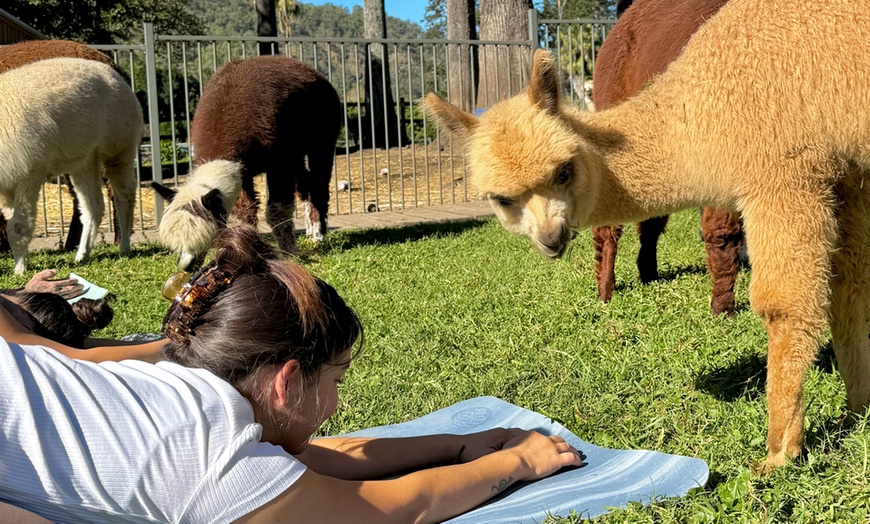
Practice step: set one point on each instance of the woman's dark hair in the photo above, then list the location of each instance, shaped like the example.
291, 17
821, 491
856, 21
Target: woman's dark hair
67, 323
246, 310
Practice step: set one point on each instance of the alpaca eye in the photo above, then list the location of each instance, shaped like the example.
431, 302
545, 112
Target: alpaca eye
502, 200
564, 174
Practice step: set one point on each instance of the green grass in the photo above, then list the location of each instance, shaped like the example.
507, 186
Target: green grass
453, 311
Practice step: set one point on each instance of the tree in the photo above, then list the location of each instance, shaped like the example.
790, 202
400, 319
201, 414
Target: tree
267, 24
225, 17
380, 106
463, 71
104, 21
572, 9
622, 5
500, 66
287, 10
435, 19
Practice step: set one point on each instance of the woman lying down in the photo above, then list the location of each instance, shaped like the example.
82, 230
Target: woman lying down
222, 432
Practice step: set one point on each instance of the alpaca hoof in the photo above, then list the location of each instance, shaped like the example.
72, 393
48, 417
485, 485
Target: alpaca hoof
770, 464
20, 266
727, 311
647, 277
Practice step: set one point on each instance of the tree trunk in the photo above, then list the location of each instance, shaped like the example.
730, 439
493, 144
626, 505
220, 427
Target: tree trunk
621, 6
267, 25
463, 73
503, 68
380, 128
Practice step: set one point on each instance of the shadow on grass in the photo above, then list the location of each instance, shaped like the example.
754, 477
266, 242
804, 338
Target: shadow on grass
746, 378
341, 240
742, 379
664, 276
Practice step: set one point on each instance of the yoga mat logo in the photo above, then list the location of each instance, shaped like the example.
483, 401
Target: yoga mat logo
471, 417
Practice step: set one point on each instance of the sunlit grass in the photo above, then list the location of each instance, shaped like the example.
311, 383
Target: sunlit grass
458, 310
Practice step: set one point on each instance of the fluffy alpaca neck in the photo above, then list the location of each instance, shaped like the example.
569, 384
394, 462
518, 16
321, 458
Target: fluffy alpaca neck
638, 153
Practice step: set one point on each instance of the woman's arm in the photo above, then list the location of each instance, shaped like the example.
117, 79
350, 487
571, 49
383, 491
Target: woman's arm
12, 331
360, 458
431, 495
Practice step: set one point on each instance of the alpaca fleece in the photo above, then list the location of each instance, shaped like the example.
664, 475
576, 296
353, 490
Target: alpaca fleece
766, 112
279, 116
73, 116
643, 42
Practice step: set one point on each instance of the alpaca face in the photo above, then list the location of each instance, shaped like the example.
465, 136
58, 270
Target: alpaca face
544, 213
526, 158
197, 210
189, 227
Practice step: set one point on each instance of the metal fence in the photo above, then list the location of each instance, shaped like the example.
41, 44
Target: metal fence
413, 165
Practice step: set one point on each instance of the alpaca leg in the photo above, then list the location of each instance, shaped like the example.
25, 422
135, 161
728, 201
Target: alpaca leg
605, 240
318, 208
74, 231
22, 221
723, 240
282, 204
4, 237
647, 259
87, 186
789, 290
245, 208
122, 177
320, 173
850, 296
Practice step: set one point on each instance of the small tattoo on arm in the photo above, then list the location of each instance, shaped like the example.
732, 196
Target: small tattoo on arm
503, 484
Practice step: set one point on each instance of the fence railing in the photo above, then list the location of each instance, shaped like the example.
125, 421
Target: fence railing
389, 156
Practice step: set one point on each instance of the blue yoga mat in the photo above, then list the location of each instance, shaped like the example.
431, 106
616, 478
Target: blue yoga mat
610, 479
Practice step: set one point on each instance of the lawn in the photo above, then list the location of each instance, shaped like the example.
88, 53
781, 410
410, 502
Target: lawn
458, 310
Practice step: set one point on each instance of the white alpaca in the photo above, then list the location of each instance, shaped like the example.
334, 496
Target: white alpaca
67, 116
199, 208
584, 92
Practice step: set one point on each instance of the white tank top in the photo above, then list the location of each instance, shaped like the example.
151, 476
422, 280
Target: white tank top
130, 442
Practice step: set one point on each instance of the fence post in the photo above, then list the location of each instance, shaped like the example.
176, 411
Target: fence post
534, 41
153, 114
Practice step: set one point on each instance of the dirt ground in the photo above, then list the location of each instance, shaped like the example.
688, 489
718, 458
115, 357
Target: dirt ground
415, 177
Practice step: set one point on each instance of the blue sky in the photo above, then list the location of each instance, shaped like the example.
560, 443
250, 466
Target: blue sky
412, 10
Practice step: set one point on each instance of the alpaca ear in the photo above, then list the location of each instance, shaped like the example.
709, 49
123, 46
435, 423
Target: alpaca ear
448, 116
544, 84
166, 192
213, 202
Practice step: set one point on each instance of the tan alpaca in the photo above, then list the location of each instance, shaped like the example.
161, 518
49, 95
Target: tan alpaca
767, 112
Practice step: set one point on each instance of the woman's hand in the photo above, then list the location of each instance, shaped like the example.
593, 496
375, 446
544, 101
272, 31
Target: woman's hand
41, 283
477, 445
542, 455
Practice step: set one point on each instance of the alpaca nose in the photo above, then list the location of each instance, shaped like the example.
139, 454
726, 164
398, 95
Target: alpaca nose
552, 240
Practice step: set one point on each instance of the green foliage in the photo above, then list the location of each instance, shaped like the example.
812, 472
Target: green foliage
435, 19
330, 20
182, 155
574, 9
419, 133
226, 17
104, 21
238, 18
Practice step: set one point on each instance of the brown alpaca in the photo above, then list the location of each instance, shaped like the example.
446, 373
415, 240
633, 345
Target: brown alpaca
274, 115
645, 40
22, 53
769, 119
